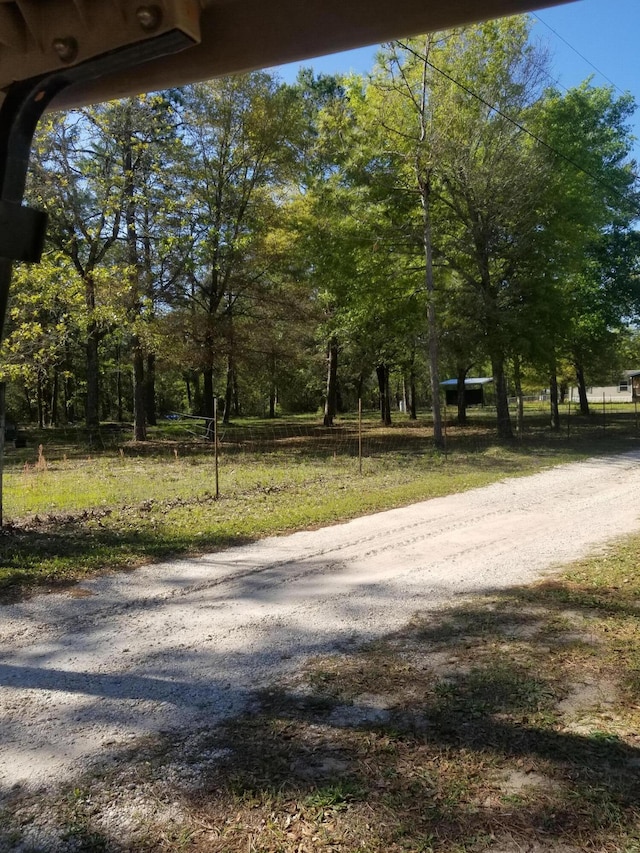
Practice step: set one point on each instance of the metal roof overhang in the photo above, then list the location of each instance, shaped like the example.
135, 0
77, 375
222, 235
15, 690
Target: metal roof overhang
477, 380
229, 36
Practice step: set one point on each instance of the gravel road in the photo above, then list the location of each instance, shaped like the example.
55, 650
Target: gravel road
183, 644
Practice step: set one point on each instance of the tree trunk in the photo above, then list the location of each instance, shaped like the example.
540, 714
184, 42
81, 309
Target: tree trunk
29, 402
207, 393
189, 400
139, 422
331, 399
92, 416
553, 397
582, 390
228, 392
273, 389
69, 408
413, 412
40, 402
150, 379
53, 411
69, 411
197, 405
119, 406
382, 372
505, 433
462, 396
432, 326
517, 379
150, 390
236, 394
139, 390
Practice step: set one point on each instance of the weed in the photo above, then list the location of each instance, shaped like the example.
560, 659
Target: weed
335, 796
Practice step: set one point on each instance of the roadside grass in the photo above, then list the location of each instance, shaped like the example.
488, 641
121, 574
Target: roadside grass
508, 722
85, 504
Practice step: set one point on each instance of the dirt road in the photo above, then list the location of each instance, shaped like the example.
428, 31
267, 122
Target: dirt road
182, 644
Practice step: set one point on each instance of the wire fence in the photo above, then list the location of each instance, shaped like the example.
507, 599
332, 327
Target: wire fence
358, 435
361, 434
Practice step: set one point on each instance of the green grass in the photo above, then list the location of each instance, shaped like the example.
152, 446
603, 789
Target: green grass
89, 504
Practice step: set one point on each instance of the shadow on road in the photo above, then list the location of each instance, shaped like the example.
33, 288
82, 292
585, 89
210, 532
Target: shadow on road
503, 723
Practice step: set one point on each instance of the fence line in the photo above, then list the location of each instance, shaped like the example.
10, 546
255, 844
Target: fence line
361, 434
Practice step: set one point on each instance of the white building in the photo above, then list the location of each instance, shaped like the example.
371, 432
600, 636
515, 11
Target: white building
625, 391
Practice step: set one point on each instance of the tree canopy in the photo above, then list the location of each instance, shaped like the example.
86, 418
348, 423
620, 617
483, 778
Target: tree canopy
307, 245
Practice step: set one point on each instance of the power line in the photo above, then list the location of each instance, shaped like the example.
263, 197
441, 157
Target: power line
577, 52
526, 131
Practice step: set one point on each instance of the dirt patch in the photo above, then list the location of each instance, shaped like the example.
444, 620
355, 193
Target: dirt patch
519, 781
588, 695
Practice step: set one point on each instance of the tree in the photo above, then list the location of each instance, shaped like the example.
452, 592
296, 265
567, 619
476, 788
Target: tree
491, 182
445, 109
76, 178
45, 319
241, 135
146, 145
407, 99
586, 234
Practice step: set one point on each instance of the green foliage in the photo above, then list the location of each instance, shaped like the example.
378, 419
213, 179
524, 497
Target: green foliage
224, 238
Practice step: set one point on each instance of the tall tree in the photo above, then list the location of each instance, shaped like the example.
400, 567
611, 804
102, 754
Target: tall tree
144, 131
446, 135
491, 180
241, 134
77, 179
587, 219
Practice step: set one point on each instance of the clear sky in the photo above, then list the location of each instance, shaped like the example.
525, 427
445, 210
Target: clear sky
606, 34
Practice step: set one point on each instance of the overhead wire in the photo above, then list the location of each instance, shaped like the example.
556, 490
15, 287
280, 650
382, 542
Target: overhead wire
577, 52
634, 204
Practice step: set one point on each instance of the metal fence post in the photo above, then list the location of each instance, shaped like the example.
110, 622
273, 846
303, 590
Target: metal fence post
215, 443
360, 435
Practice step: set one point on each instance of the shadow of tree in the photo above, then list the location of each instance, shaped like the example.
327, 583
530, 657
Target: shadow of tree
448, 735
32, 559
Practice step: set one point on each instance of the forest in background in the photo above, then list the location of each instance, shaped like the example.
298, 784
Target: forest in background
299, 247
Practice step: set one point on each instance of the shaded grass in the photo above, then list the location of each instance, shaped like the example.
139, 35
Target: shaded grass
509, 722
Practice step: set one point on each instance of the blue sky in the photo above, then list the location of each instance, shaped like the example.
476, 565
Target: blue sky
605, 32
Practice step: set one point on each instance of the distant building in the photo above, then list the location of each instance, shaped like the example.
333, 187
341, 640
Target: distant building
626, 390
474, 390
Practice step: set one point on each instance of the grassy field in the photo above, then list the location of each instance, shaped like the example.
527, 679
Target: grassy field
509, 723
76, 504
